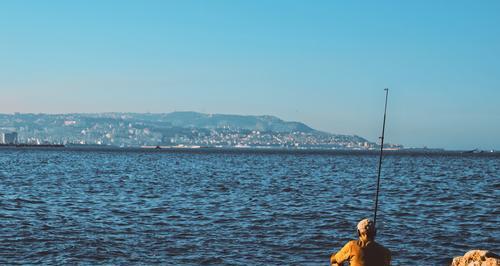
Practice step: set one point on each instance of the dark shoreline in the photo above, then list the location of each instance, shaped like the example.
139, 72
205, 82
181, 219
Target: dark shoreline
31, 146
407, 152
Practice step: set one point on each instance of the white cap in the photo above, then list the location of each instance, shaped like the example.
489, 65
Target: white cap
366, 225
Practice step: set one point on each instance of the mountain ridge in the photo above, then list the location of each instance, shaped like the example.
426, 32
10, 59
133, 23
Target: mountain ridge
178, 118
175, 128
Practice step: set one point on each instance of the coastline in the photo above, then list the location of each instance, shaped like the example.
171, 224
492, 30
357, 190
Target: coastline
265, 150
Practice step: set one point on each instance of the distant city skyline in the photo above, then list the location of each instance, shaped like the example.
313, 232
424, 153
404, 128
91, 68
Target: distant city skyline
323, 63
178, 129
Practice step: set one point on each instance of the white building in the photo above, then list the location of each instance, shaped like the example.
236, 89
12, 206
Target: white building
8, 138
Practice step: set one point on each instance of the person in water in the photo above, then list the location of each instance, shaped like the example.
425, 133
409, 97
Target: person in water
364, 251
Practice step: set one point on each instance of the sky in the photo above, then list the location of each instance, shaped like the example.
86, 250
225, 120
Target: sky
324, 63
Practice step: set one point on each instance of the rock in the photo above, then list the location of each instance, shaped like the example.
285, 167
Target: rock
477, 258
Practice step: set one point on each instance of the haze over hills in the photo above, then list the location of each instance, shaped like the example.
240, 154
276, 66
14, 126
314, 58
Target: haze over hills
173, 129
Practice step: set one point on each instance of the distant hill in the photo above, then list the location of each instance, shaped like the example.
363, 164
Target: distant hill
261, 123
176, 128
214, 121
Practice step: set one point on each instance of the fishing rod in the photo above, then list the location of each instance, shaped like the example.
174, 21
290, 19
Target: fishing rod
380, 158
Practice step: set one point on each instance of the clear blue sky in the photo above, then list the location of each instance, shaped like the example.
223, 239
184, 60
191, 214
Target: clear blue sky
324, 63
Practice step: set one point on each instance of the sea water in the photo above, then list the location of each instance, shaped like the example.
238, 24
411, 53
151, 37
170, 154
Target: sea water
213, 207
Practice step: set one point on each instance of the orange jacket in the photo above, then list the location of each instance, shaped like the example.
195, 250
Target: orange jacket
362, 254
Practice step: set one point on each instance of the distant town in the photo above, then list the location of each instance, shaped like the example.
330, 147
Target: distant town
177, 129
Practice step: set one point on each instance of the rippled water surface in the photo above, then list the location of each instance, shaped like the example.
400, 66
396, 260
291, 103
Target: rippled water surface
239, 208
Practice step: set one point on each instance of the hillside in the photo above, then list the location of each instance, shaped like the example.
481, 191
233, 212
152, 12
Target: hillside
177, 128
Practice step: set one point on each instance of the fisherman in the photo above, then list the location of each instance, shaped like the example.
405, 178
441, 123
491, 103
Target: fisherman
364, 251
